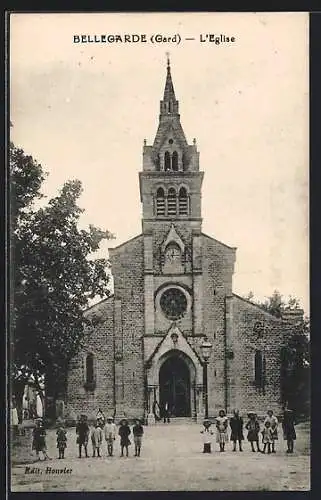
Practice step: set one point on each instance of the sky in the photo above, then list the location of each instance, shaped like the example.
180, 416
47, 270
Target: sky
83, 111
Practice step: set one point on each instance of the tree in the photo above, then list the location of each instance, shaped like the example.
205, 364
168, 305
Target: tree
53, 276
295, 356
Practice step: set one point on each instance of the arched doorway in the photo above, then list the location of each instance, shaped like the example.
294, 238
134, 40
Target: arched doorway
175, 386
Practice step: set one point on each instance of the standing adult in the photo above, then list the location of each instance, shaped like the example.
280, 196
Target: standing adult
110, 435
271, 418
14, 417
39, 440
156, 410
288, 429
236, 424
82, 431
166, 412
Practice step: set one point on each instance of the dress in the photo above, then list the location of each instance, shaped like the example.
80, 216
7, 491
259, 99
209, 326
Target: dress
207, 439
267, 435
124, 432
236, 424
61, 439
274, 426
39, 439
82, 431
253, 428
221, 430
288, 426
14, 417
96, 437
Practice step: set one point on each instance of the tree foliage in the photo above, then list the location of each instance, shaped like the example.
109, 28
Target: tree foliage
295, 362
53, 275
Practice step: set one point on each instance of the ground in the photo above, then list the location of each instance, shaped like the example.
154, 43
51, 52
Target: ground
172, 459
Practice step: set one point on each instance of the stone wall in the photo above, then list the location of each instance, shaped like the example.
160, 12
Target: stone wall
98, 340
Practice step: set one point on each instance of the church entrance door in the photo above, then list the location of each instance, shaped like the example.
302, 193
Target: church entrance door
174, 386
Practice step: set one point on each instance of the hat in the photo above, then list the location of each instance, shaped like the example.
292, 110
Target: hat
109, 418
251, 413
124, 420
206, 421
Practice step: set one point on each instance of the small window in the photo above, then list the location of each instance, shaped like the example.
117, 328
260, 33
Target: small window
175, 161
183, 201
160, 202
167, 161
157, 162
184, 161
171, 202
90, 368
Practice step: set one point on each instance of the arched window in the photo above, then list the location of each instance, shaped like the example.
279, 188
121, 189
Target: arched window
175, 161
182, 202
167, 161
259, 369
90, 369
160, 202
171, 202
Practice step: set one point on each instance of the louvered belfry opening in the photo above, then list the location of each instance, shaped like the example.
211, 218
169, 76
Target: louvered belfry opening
171, 202
183, 201
160, 202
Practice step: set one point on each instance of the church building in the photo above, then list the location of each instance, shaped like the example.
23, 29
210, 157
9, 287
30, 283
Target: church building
172, 292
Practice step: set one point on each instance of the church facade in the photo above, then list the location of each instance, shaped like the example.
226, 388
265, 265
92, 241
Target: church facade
172, 290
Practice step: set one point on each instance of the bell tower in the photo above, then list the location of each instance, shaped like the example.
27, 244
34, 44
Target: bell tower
170, 183
170, 191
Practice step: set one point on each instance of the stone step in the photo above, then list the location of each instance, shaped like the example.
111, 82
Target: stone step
179, 420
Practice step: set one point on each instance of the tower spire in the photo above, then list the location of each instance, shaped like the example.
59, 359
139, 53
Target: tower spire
169, 104
169, 93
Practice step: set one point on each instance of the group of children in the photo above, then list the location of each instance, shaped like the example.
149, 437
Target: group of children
107, 430
100, 431
269, 432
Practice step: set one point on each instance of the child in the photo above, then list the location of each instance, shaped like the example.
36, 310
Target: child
253, 428
207, 433
236, 424
110, 435
61, 440
96, 438
274, 427
221, 429
267, 437
124, 432
82, 431
39, 440
288, 429
138, 432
